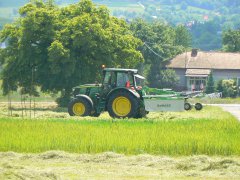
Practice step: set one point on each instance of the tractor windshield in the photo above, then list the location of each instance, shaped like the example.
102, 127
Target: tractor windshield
118, 79
124, 78
139, 80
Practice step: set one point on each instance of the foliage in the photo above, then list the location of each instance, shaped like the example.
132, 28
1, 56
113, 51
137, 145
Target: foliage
183, 37
176, 138
205, 36
161, 43
58, 48
224, 14
219, 86
4, 21
229, 88
210, 88
168, 79
206, 33
231, 40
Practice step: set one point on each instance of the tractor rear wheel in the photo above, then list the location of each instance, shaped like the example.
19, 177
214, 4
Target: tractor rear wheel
122, 104
79, 107
141, 110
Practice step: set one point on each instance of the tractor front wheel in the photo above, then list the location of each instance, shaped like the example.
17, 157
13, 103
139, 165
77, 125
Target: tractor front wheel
122, 104
187, 106
79, 107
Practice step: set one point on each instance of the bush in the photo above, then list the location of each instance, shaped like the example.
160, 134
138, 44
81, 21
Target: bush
210, 88
168, 79
229, 88
219, 86
63, 101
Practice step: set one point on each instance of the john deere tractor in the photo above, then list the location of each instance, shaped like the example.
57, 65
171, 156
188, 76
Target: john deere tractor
122, 95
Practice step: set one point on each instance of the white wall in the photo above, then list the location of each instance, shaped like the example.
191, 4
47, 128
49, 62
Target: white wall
225, 74
217, 75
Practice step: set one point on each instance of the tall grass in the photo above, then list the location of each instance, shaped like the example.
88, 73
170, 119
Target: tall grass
218, 100
185, 137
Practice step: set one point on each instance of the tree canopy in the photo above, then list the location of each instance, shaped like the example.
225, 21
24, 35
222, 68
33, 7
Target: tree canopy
58, 48
161, 43
231, 40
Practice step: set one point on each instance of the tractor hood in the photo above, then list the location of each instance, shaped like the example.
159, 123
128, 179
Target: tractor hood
86, 89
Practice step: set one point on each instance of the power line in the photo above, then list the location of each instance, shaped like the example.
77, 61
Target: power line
164, 45
153, 50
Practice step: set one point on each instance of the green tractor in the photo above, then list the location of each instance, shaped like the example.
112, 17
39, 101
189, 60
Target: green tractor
122, 94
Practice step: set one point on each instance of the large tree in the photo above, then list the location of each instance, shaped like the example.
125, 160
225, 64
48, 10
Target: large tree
161, 43
59, 48
231, 40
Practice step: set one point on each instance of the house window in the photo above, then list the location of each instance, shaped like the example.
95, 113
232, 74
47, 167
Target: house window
197, 83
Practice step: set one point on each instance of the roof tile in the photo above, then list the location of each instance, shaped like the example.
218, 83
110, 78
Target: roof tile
206, 60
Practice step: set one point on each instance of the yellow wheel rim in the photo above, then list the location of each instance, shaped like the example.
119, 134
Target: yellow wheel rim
79, 109
121, 106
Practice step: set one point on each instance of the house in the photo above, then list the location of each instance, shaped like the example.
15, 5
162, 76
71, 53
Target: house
193, 68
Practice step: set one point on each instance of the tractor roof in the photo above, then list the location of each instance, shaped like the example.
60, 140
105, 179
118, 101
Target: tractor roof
135, 71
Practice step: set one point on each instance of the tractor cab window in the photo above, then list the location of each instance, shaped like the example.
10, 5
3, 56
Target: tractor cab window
109, 79
124, 79
139, 80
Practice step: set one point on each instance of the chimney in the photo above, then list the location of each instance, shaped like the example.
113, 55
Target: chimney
194, 52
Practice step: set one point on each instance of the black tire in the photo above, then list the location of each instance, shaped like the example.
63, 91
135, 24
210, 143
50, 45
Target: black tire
141, 110
198, 106
95, 114
187, 106
141, 114
84, 102
133, 111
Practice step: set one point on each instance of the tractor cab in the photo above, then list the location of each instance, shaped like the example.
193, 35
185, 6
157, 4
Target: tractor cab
122, 78
113, 78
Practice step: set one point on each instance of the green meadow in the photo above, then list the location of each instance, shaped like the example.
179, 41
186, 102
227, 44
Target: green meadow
209, 132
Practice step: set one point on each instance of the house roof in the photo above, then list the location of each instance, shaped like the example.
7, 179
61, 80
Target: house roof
206, 60
198, 72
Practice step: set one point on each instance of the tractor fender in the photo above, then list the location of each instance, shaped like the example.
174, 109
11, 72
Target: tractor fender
134, 93
85, 97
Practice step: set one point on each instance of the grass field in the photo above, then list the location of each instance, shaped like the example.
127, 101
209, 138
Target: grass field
195, 145
109, 165
211, 132
218, 100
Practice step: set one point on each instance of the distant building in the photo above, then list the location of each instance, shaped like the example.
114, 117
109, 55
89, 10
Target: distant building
193, 68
